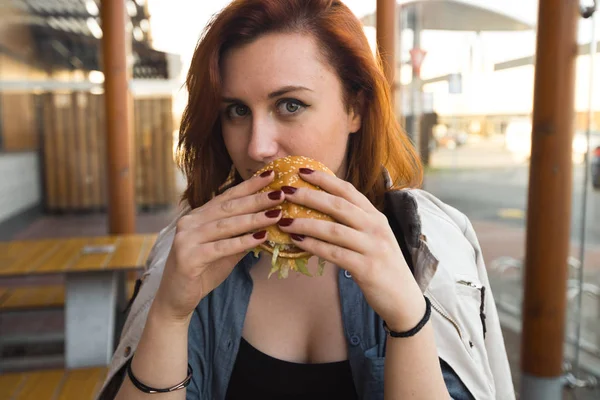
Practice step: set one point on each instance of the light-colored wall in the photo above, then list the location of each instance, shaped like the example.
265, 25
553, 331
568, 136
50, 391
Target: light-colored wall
19, 183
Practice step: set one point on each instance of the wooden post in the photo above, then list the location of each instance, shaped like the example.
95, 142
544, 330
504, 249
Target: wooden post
416, 97
119, 138
386, 35
398, 91
549, 205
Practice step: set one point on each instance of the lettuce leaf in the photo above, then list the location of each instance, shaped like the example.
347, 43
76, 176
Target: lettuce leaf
273, 270
301, 266
274, 264
284, 270
321, 267
282, 266
275, 255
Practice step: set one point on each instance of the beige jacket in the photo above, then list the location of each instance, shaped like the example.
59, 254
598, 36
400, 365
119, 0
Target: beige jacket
449, 268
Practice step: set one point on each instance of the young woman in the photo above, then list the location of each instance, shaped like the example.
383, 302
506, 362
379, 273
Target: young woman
404, 308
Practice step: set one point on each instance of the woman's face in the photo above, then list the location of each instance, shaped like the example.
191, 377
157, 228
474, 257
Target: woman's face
279, 99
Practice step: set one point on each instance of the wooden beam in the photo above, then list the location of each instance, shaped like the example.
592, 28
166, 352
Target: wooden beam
119, 136
386, 35
549, 203
582, 50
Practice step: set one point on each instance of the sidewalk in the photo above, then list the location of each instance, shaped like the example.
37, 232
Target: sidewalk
502, 239
476, 154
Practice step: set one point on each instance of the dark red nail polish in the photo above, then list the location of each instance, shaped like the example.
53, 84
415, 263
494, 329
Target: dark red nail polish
260, 235
306, 171
273, 213
276, 195
288, 189
266, 173
297, 238
285, 221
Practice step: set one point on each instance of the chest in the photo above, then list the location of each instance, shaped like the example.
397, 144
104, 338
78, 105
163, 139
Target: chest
298, 319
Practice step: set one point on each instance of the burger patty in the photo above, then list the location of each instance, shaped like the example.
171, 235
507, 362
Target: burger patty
290, 248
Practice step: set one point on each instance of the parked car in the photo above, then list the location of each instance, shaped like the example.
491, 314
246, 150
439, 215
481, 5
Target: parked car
595, 162
449, 138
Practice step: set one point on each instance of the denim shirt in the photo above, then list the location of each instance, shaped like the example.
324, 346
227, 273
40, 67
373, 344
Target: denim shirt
216, 330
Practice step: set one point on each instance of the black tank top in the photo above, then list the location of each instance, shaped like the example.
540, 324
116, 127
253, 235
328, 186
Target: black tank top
257, 375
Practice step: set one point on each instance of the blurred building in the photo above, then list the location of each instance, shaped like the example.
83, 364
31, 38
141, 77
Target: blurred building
52, 133
478, 73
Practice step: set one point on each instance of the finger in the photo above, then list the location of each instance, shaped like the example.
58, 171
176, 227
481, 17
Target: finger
336, 186
340, 256
338, 208
331, 232
245, 188
238, 225
245, 205
230, 208
213, 251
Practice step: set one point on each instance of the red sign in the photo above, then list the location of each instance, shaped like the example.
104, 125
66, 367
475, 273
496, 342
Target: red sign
417, 56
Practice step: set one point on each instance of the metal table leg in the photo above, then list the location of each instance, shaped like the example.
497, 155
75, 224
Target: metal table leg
90, 317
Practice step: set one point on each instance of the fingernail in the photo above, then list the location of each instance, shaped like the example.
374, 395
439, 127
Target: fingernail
276, 195
306, 171
288, 189
297, 237
285, 221
273, 213
260, 235
266, 173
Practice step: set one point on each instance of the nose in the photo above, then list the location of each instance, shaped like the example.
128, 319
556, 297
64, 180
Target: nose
263, 146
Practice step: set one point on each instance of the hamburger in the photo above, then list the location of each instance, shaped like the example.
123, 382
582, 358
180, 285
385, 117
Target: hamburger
285, 255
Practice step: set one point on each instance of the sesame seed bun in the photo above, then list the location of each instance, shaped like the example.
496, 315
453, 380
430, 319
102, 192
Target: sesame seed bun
286, 174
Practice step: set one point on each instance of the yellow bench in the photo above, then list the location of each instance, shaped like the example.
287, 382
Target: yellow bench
39, 297
76, 384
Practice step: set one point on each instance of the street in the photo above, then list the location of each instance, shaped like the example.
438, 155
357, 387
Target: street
498, 192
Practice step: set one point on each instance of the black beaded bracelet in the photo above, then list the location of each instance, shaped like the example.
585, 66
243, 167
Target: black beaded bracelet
414, 330
150, 390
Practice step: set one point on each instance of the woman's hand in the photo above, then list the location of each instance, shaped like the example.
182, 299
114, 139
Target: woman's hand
210, 241
361, 242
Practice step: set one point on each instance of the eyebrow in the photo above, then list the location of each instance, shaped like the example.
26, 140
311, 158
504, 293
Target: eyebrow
277, 93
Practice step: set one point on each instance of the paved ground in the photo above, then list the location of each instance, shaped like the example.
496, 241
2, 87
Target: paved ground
477, 153
485, 182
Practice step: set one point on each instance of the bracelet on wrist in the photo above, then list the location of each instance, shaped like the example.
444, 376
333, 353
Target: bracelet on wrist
147, 389
414, 330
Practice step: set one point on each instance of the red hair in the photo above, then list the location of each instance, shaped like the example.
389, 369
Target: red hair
339, 34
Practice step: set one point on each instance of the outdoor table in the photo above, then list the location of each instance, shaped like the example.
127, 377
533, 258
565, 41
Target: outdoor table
94, 269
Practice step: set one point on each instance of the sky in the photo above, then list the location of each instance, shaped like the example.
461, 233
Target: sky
177, 24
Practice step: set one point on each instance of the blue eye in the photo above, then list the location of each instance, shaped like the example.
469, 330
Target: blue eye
237, 111
290, 106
